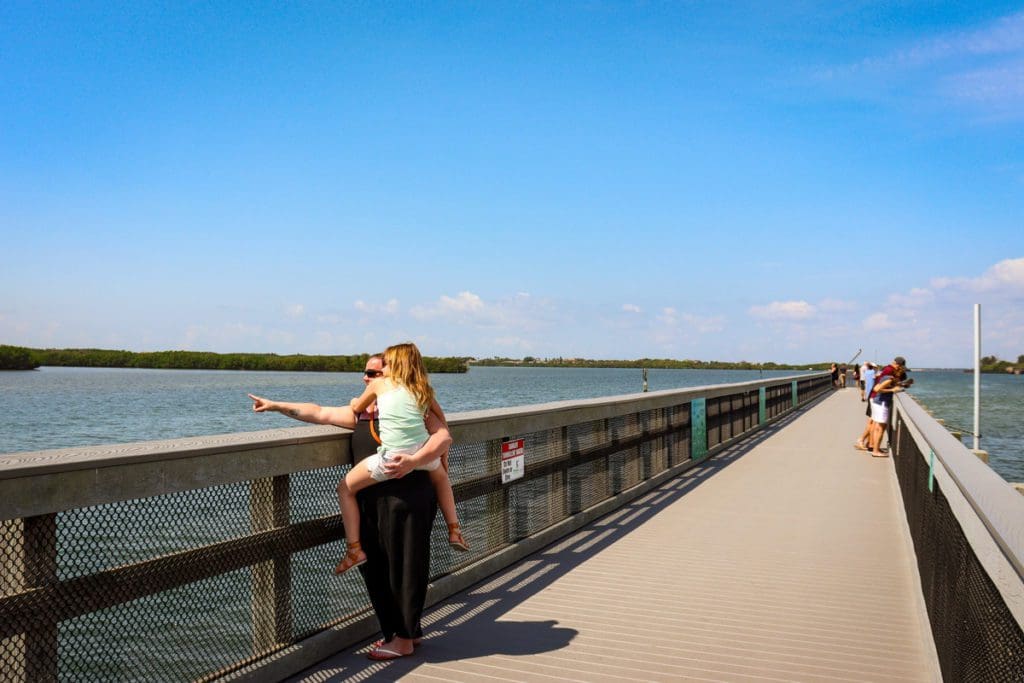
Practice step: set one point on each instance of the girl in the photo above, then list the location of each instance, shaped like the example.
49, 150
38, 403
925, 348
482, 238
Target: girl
403, 396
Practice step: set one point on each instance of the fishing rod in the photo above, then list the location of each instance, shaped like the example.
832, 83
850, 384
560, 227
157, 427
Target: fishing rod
855, 357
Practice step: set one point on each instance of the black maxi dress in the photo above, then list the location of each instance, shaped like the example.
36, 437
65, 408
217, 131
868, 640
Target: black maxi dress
395, 520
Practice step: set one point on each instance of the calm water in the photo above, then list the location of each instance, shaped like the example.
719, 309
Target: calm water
68, 407
950, 396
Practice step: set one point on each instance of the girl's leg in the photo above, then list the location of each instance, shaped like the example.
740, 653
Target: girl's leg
355, 481
446, 501
863, 442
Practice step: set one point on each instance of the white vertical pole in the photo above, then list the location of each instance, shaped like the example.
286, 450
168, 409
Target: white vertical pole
977, 375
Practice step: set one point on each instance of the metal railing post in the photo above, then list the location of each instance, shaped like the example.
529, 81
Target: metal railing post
271, 581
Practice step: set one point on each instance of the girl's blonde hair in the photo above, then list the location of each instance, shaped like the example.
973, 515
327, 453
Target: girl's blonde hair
405, 367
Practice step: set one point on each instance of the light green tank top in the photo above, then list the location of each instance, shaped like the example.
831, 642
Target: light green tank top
401, 420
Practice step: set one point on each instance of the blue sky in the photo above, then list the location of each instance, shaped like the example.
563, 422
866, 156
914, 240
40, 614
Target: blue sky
728, 181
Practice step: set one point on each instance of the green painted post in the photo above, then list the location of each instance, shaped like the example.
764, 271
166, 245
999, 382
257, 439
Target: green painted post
698, 429
762, 412
931, 470
795, 399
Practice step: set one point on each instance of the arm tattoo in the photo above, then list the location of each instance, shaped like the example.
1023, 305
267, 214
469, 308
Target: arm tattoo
292, 412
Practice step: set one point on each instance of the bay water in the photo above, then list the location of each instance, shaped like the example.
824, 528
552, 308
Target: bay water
70, 407
75, 407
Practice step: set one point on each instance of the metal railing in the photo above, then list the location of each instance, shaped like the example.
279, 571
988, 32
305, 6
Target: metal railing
967, 525
210, 557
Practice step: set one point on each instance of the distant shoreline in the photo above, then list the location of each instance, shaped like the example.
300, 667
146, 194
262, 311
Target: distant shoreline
22, 358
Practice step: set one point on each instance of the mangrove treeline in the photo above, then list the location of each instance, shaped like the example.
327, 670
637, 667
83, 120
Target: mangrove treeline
663, 363
994, 364
20, 358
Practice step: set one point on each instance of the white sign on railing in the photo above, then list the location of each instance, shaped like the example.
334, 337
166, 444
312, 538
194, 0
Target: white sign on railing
512, 461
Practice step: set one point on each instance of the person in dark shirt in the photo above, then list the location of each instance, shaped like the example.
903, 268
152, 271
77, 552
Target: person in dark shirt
396, 518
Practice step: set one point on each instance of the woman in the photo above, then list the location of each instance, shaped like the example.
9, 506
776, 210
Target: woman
396, 518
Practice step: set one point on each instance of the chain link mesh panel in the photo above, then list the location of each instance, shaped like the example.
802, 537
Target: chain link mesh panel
976, 636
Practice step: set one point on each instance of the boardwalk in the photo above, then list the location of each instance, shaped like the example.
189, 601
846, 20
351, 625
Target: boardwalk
785, 558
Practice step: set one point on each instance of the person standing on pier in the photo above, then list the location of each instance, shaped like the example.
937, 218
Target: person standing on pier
888, 382
867, 379
396, 518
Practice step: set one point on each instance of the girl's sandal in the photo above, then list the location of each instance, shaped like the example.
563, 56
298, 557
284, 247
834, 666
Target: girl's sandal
455, 539
354, 557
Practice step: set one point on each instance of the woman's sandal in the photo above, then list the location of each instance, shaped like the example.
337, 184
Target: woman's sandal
354, 557
416, 642
455, 539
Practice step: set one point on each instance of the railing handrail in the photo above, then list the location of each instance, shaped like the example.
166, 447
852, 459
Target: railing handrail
39, 482
998, 506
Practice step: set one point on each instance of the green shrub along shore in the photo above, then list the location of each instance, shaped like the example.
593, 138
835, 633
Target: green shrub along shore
20, 358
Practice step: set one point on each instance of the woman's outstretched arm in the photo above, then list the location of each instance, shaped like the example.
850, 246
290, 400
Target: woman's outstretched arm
340, 416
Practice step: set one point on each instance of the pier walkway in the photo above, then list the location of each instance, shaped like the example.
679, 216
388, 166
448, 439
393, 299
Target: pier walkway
785, 557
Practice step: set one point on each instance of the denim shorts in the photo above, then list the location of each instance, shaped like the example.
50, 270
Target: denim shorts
375, 463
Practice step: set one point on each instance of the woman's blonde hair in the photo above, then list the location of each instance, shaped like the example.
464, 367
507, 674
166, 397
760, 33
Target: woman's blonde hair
405, 367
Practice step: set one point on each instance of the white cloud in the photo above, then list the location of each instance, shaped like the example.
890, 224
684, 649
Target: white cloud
519, 312
878, 322
464, 302
465, 306
1008, 273
631, 308
295, 311
390, 307
784, 310
1007, 276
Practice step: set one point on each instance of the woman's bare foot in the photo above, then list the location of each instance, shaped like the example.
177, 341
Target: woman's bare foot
393, 649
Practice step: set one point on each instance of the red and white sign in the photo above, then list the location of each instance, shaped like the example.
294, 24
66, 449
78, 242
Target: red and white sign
513, 461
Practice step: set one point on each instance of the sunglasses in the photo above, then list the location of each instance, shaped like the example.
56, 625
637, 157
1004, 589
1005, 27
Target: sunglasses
373, 373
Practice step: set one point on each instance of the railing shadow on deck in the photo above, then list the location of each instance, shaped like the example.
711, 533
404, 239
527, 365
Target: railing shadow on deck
479, 607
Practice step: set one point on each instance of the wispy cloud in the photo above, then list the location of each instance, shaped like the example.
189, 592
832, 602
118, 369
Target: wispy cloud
390, 307
981, 69
836, 306
631, 308
1001, 37
702, 324
784, 310
877, 322
519, 312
